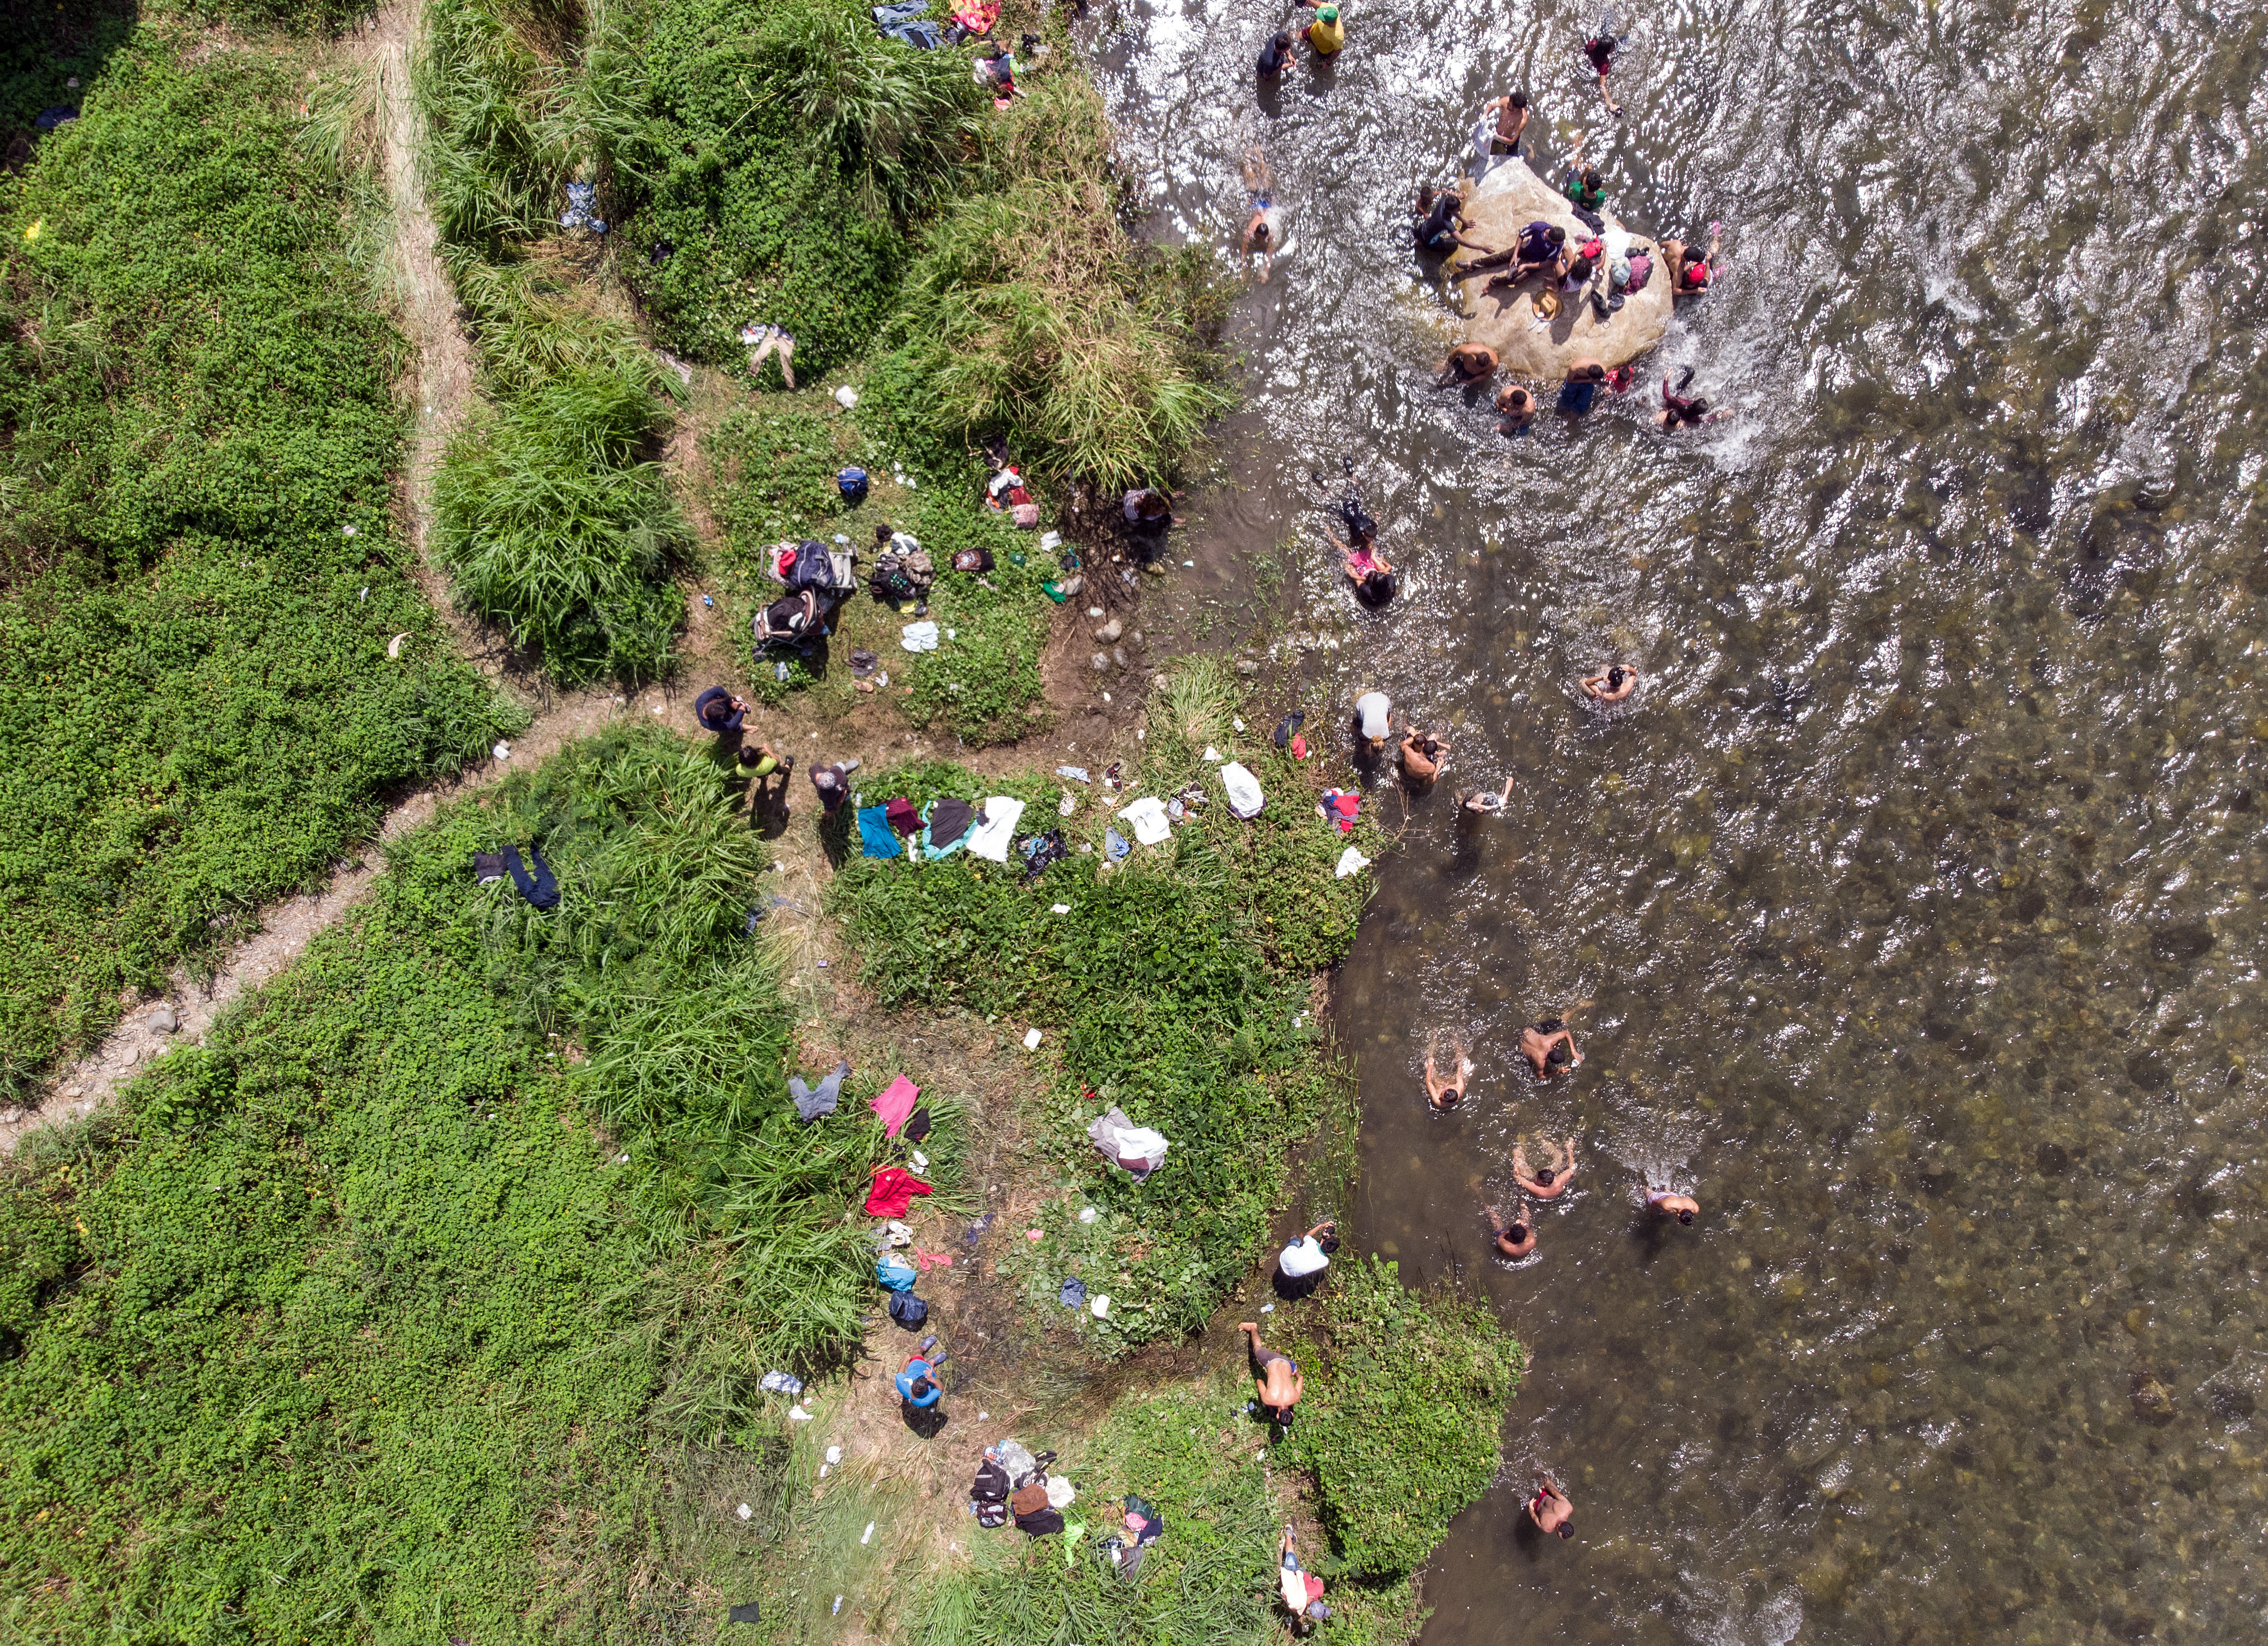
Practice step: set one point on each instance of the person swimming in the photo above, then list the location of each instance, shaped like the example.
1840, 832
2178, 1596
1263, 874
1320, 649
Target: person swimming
1683, 1207
1550, 1048
1446, 1093
1612, 686
1481, 803
1545, 1182
1515, 1239
1678, 412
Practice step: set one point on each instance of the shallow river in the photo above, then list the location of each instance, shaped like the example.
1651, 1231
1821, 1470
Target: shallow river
1910, 906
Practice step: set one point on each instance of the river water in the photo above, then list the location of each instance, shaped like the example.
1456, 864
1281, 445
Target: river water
1909, 911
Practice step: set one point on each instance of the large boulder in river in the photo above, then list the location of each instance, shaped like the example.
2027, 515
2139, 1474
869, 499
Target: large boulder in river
1503, 203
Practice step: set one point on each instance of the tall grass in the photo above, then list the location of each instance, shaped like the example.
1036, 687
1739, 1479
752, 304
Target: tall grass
555, 522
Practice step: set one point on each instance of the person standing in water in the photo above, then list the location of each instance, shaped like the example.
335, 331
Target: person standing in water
1600, 49
1516, 409
1469, 363
1543, 1182
1447, 1093
1422, 756
1274, 56
1515, 1239
1549, 1046
1690, 275
1550, 1508
1372, 712
1612, 686
1326, 35
1510, 112
1585, 377
1683, 1207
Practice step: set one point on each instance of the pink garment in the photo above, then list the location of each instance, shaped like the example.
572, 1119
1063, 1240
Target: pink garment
895, 1104
926, 1260
893, 1193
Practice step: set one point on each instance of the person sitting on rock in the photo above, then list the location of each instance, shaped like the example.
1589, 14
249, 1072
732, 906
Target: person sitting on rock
1585, 189
1436, 219
1469, 363
1690, 275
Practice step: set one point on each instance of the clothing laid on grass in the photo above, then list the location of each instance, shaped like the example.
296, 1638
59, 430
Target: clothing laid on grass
542, 889
991, 838
893, 1192
875, 838
895, 1104
811, 1104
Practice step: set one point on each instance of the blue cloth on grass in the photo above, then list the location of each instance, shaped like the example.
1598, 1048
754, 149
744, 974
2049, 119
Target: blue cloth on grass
875, 833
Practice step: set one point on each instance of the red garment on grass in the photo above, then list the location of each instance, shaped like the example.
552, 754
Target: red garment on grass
894, 1191
895, 1104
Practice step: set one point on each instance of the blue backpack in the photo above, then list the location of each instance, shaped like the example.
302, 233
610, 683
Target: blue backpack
851, 483
894, 1273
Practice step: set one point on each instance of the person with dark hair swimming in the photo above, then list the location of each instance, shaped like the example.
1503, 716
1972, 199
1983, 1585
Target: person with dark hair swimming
1549, 1046
1612, 686
1545, 1182
1447, 1093
1550, 1509
1515, 1239
1683, 1207
1677, 412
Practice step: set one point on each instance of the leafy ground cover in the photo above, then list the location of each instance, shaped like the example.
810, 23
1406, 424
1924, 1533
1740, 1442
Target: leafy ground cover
1177, 987
1438, 1370
430, 1293
197, 706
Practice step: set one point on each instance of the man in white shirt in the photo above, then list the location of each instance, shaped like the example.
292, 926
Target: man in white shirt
1375, 711
1310, 1254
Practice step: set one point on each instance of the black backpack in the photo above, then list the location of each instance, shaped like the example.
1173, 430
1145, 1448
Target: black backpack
813, 569
907, 1310
989, 1495
889, 580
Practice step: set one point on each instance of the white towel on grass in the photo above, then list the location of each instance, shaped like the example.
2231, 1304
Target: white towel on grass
989, 838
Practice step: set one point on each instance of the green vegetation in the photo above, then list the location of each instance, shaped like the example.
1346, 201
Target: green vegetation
555, 520
1177, 988
197, 706
1405, 1399
431, 1293
1436, 1370
773, 478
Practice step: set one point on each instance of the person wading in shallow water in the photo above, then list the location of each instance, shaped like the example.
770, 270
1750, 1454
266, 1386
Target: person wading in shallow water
1275, 1377
1550, 1048
1515, 1239
1550, 1509
1544, 1183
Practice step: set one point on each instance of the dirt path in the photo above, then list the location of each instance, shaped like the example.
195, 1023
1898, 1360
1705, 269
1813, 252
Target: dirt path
445, 386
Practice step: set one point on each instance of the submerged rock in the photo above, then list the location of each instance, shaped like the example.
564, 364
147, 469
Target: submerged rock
1505, 201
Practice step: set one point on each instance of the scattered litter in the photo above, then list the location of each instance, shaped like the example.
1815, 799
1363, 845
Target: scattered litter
1071, 1293
1148, 816
1067, 805
1086, 1214
746, 1611
745, 1512
1060, 908
707, 602
977, 1229
1114, 844
867, 1537
582, 209
780, 1382
991, 838
1267, 1309
1050, 542
1060, 1491
1237, 721
1033, 1234
835, 1454
838, 1599
862, 663
919, 637
1212, 755
1077, 774
394, 646
1137, 1149
846, 397
1244, 796
502, 751
983, 1417
797, 1414
1352, 862
1098, 1305
1031, 1040
919, 1160
1191, 564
